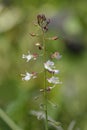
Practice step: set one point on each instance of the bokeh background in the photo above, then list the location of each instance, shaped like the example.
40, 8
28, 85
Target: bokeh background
69, 23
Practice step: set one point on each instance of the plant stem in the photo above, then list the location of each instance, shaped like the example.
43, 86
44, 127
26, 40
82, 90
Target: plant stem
8, 120
45, 93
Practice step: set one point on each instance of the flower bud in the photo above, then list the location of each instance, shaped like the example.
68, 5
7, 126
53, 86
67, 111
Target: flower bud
40, 47
48, 89
41, 90
35, 55
56, 55
43, 17
54, 38
33, 34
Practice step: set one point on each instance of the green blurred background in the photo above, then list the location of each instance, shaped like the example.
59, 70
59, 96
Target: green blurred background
69, 22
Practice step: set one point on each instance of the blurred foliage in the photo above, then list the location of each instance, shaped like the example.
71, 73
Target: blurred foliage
17, 96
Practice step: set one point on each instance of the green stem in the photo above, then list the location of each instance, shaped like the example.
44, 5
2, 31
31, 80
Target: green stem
45, 93
8, 120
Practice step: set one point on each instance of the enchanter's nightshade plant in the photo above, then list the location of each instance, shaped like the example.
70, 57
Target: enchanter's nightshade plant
48, 65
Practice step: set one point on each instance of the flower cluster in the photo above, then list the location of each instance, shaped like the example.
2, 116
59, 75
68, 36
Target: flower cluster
49, 66
43, 22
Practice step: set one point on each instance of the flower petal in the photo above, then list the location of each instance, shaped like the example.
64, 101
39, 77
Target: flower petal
54, 80
27, 76
28, 57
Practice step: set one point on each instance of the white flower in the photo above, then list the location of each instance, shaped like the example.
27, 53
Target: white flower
29, 56
27, 76
49, 65
54, 80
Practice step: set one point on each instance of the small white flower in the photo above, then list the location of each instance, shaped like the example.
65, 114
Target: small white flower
30, 56
54, 80
27, 76
49, 65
